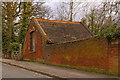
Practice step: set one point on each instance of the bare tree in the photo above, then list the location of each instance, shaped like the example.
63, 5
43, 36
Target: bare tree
62, 12
42, 11
68, 11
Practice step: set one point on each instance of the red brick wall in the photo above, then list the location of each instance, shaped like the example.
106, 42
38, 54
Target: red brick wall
92, 53
113, 56
38, 44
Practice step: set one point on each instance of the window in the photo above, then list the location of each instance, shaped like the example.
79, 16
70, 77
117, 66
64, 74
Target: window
32, 42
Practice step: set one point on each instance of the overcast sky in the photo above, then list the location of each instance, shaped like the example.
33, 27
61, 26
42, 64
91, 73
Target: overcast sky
73, 0
81, 12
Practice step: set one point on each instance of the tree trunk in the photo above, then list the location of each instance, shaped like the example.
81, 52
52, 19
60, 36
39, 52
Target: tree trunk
71, 10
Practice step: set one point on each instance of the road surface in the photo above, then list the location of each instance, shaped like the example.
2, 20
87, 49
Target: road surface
9, 71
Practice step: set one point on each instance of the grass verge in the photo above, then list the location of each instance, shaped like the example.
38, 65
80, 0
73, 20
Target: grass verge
82, 68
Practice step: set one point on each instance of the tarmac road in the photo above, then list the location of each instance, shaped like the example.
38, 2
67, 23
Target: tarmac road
22, 69
9, 71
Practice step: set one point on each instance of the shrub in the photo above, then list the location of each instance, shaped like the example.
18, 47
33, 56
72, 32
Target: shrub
14, 46
111, 33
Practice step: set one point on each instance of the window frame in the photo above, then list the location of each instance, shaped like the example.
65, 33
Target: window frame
32, 42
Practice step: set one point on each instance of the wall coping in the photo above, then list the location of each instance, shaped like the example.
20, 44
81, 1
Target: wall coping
77, 40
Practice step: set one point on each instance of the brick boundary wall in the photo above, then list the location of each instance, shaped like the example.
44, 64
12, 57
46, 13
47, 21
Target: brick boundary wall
95, 52
92, 53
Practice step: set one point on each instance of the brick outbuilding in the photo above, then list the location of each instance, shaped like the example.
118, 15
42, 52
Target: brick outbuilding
42, 32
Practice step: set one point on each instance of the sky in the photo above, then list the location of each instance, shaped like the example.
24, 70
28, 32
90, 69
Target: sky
73, 0
81, 13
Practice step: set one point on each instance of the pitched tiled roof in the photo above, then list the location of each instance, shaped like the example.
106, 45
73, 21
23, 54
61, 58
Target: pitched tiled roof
60, 31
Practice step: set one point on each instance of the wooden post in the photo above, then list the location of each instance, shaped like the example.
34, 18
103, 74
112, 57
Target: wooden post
20, 52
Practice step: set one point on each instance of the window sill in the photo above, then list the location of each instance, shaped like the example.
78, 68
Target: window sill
32, 52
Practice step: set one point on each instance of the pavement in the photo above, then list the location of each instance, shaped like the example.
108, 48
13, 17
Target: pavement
54, 71
9, 71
